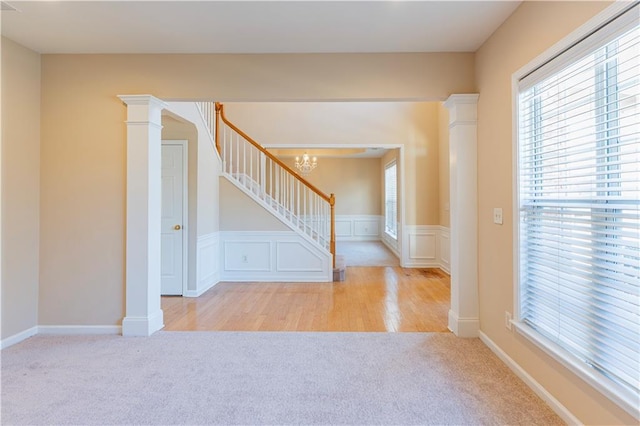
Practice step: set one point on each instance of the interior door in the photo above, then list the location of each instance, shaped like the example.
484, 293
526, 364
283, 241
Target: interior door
172, 219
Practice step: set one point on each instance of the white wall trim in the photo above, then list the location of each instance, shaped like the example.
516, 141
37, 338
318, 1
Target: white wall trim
539, 390
358, 227
143, 313
207, 263
444, 249
463, 200
463, 327
69, 330
18, 337
272, 256
79, 329
391, 243
142, 326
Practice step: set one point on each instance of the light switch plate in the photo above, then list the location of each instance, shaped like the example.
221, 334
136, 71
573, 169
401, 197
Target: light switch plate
497, 216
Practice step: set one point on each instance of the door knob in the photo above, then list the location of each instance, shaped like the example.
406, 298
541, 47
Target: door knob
177, 227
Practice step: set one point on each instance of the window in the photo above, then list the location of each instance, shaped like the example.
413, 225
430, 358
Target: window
579, 208
390, 200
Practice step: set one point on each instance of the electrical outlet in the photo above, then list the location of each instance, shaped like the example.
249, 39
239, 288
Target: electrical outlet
507, 320
497, 216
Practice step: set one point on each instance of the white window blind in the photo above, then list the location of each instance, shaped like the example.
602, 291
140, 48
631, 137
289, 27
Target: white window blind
579, 202
390, 200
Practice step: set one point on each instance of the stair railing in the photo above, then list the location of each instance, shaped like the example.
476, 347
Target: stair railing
258, 171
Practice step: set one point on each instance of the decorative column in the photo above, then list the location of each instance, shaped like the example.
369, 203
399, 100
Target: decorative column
143, 314
464, 319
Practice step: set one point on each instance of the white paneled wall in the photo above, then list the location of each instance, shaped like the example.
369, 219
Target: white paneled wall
207, 263
272, 257
284, 256
358, 227
425, 246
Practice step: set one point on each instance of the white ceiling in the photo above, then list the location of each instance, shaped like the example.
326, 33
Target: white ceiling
253, 26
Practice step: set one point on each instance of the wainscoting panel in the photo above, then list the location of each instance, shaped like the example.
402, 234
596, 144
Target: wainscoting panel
358, 227
281, 256
423, 247
207, 263
247, 256
344, 228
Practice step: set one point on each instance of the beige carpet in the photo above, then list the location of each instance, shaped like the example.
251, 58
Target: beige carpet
263, 378
366, 253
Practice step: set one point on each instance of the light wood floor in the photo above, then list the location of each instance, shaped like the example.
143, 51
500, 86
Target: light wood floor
371, 299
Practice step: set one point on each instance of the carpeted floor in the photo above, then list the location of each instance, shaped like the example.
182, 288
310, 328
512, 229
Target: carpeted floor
366, 253
263, 378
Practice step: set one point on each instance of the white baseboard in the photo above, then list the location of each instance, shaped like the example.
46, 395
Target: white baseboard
68, 330
201, 290
18, 337
463, 327
143, 326
79, 329
539, 390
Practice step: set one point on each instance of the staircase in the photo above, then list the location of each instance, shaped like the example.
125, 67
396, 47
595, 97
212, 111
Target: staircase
274, 185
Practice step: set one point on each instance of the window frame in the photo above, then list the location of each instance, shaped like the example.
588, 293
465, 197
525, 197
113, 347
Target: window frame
621, 396
392, 163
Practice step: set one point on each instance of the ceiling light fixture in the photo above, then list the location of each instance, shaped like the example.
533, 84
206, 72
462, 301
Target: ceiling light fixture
306, 164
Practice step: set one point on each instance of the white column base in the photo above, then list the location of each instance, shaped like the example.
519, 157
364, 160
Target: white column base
463, 327
143, 326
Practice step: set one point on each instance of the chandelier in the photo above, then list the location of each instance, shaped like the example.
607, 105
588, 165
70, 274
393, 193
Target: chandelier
306, 164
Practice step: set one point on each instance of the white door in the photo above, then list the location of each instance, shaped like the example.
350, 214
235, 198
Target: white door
172, 229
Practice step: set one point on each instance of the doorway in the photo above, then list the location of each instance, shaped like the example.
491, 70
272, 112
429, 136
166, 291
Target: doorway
174, 216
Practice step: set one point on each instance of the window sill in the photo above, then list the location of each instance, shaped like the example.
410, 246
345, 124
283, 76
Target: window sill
621, 396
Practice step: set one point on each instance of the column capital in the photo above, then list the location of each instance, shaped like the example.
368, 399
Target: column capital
463, 109
143, 109
142, 100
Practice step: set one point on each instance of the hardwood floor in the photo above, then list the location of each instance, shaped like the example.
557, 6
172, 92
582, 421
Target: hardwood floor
371, 299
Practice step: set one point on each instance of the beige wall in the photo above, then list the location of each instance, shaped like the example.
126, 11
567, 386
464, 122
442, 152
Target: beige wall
533, 28
238, 212
354, 181
411, 124
275, 77
84, 140
443, 164
20, 187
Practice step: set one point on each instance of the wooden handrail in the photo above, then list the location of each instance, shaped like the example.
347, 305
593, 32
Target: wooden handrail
331, 199
220, 111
